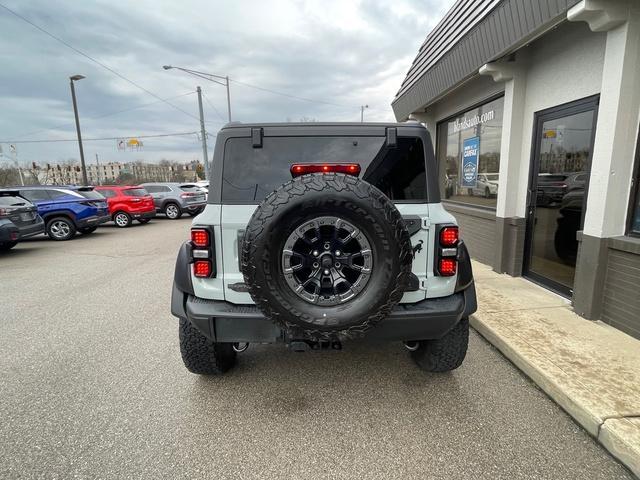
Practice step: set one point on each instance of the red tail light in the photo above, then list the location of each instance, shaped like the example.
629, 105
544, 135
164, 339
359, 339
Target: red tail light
449, 236
298, 169
202, 268
447, 267
200, 237
446, 264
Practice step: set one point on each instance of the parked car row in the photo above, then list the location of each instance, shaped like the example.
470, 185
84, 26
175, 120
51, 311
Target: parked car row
62, 211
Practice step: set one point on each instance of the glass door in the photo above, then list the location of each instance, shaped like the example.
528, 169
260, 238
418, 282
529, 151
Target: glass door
561, 162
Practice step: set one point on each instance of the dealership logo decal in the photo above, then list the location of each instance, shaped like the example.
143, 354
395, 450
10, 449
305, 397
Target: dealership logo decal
467, 123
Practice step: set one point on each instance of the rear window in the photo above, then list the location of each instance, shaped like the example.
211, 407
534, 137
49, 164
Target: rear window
9, 200
135, 192
249, 174
189, 188
108, 193
35, 195
91, 194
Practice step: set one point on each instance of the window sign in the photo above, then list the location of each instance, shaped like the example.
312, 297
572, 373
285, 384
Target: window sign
470, 150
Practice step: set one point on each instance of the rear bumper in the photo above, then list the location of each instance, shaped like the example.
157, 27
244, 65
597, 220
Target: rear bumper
194, 206
147, 214
92, 221
8, 231
35, 228
222, 321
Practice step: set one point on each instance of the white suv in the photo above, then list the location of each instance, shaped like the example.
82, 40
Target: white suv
315, 234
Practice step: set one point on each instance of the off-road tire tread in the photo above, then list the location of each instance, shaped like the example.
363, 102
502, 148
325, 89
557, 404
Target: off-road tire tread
298, 187
446, 353
202, 356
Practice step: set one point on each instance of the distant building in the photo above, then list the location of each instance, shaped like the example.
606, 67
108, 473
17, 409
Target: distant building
111, 172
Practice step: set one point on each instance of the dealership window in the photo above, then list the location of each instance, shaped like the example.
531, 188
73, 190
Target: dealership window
468, 149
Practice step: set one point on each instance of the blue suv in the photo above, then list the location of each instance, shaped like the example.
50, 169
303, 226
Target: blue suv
67, 210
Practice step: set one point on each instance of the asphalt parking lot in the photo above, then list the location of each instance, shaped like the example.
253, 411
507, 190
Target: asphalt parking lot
92, 386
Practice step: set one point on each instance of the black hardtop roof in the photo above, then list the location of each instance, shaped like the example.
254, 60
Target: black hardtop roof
323, 124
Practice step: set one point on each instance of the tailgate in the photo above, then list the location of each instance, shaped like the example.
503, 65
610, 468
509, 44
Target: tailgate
236, 217
416, 218
233, 223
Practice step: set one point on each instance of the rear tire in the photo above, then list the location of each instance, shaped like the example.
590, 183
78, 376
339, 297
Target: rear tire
446, 353
202, 356
87, 230
4, 246
60, 229
172, 211
122, 219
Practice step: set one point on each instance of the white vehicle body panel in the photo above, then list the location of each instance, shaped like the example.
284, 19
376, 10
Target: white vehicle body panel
229, 220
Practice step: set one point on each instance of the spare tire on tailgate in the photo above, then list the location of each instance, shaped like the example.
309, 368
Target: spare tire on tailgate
326, 256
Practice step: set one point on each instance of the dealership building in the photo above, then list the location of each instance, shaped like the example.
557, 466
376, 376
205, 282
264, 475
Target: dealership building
534, 108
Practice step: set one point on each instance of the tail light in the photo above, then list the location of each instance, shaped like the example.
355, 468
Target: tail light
298, 169
202, 253
447, 251
187, 195
200, 237
202, 268
6, 211
449, 236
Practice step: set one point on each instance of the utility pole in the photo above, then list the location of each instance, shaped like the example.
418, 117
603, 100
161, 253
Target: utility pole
14, 157
98, 165
203, 132
75, 112
228, 98
362, 107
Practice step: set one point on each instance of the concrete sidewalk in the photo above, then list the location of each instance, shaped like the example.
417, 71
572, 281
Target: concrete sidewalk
590, 369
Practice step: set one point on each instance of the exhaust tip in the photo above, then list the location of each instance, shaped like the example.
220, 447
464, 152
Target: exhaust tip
240, 347
412, 346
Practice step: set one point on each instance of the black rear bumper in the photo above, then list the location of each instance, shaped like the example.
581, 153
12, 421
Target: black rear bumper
222, 321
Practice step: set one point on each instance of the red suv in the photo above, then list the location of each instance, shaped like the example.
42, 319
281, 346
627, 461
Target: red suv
128, 203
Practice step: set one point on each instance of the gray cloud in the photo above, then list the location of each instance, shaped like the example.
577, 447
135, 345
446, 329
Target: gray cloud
346, 53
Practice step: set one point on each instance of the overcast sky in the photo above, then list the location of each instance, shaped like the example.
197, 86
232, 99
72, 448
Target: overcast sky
344, 53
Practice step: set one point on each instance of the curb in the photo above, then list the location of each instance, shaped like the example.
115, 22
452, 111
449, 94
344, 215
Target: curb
619, 436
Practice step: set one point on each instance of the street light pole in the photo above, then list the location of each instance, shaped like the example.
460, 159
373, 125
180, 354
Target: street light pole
210, 77
203, 133
362, 107
228, 98
75, 112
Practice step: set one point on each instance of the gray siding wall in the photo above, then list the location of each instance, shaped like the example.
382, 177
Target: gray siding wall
621, 299
477, 229
508, 26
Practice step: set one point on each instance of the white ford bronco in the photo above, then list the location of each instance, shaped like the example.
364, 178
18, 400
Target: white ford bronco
318, 233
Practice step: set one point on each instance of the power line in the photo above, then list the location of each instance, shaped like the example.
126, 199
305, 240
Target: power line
106, 67
304, 99
56, 127
108, 138
207, 76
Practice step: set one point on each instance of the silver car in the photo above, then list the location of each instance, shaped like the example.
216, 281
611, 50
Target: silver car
173, 199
